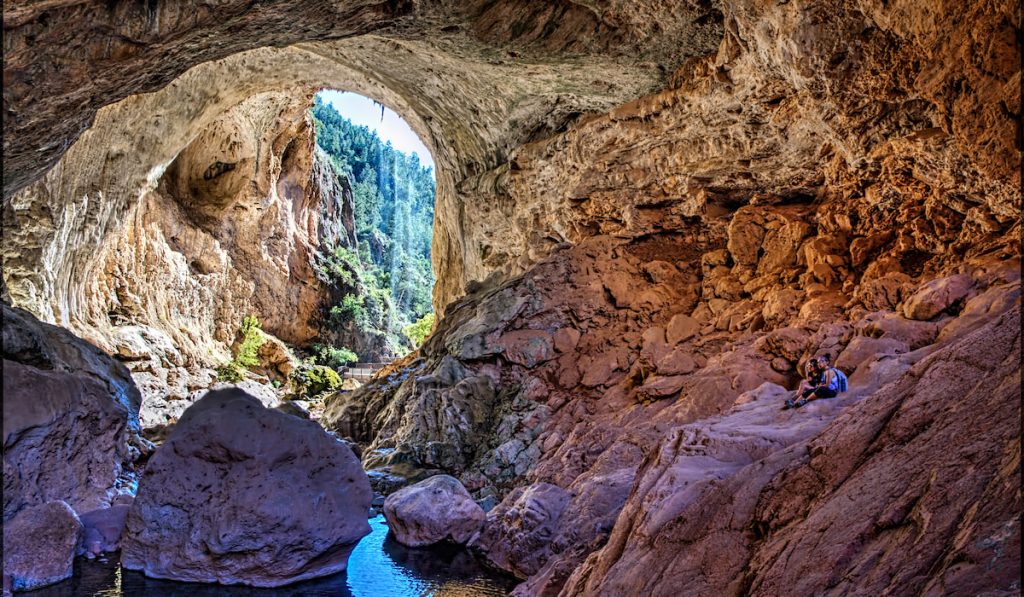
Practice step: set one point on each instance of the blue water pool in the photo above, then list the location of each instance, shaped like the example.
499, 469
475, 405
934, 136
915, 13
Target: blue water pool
378, 567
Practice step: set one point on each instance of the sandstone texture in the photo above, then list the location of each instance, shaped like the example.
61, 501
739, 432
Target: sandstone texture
40, 544
436, 509
70, 418
243, 494
876, 494
233, 227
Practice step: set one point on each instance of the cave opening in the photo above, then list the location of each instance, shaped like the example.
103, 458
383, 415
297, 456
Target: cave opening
378, 267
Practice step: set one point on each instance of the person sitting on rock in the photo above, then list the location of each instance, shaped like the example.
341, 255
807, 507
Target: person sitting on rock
815, 374
828, 384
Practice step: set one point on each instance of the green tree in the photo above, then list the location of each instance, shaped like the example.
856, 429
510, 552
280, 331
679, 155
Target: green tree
418, 332
247, 355
386, 285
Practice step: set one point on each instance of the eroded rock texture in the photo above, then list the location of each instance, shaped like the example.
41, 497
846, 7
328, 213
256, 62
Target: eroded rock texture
878, 495
233, 227
243, 494
561, 381
39, 545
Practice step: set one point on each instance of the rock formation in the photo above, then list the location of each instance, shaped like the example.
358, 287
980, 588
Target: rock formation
102, 529
243, 494
876, 494
71, 423
39, 545
436, 509
649, 217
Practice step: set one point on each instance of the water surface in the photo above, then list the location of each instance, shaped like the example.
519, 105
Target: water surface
378, 567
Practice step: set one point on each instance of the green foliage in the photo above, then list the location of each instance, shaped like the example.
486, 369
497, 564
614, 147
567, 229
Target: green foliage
418, 332
342, 266
311, 380
229, 373
335, 357
252, 340
248, 351
387, 283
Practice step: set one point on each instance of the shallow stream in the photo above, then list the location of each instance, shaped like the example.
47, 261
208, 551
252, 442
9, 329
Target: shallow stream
378, 567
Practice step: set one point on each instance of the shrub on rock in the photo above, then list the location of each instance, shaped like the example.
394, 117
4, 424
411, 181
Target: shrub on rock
243, 494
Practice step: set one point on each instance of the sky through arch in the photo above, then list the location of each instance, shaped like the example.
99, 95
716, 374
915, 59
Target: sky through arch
364, 111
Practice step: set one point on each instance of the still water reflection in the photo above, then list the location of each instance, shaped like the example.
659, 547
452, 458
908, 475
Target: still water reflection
378, 567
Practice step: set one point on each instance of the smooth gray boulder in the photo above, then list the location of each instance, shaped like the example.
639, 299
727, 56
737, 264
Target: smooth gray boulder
243, 494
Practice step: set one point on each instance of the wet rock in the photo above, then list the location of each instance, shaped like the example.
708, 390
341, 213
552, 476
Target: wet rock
243, 494
436, 509
40, 544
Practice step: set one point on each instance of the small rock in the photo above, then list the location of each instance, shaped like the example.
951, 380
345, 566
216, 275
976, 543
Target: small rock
103, 528
293, 408
661, 387
528, 348
40, 544
519, 529
677, 362
862, 348
681, 328
488, 503
566, 339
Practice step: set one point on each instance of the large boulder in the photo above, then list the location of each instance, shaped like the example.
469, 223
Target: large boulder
433, 510
243, 494
40, 544
936, 296
70, 417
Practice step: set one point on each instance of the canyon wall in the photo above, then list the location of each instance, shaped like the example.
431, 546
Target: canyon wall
232, 227
838, 180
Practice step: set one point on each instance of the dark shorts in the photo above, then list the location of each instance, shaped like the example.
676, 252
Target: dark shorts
820, 393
